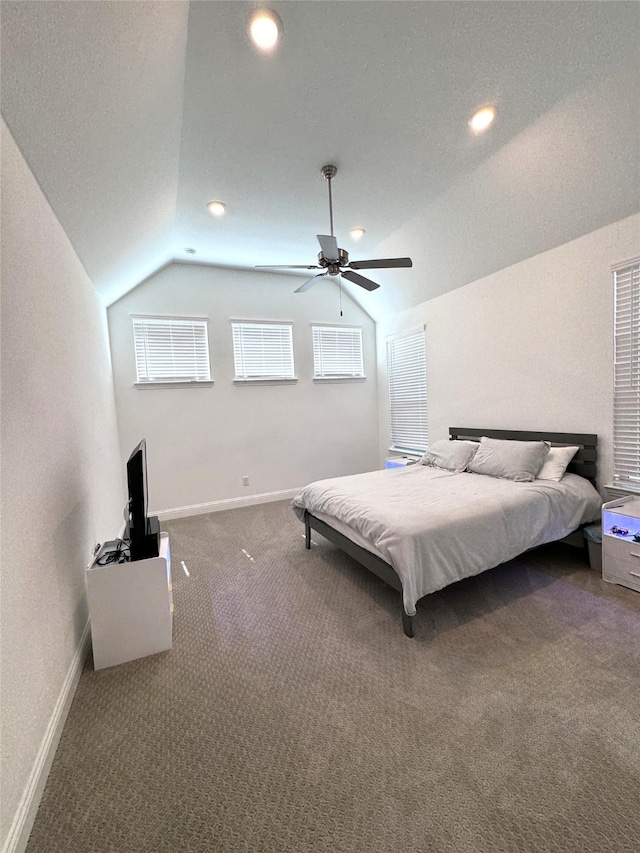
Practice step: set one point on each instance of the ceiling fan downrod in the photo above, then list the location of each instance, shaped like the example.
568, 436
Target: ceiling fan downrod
329, 172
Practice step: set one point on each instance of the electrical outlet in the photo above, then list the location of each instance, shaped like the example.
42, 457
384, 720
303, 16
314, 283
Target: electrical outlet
245, 481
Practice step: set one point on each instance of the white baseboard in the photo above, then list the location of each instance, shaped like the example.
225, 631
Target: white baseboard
227, 503
22, 825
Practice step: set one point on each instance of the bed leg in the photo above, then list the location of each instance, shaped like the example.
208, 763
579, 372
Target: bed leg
407, 623
307, 532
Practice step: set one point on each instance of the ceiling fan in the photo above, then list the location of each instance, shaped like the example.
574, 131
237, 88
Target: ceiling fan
335, 261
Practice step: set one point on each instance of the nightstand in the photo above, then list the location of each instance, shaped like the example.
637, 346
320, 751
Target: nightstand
621, 542
400, 461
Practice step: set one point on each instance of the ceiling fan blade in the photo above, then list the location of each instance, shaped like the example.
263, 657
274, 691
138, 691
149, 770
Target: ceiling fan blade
329, 246
287, 267
383, 263
359, 279
310, 283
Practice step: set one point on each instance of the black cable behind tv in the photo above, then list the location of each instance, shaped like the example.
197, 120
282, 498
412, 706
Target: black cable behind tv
143, 531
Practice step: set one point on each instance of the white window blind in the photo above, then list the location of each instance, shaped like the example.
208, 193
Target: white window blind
407, 371
263, 350
626, 376
337, 352
171, 349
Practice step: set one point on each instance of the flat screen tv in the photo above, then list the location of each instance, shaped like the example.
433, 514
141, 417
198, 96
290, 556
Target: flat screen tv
142, 531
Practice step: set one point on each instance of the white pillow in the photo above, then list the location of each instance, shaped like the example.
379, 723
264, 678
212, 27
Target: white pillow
510, 460
451, 455
555, 463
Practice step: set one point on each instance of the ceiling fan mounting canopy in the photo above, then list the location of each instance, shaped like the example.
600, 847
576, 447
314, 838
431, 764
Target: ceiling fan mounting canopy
334, 260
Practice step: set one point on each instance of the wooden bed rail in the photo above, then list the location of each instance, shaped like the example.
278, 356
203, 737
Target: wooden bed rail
374, 564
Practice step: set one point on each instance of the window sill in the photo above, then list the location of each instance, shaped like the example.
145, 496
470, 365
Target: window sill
618, 489
402, 451
339, 379
257, 381
194, 384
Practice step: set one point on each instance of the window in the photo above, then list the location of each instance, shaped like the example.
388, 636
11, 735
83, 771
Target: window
263, 351
407, 369
337, 352
626, 375
171, 349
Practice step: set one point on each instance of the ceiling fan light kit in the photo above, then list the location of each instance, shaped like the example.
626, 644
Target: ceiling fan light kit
334, 260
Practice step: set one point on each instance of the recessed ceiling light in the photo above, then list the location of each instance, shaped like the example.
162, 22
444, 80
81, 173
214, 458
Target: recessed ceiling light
190, 251
481, 119
357, 233
217, 208
265, 29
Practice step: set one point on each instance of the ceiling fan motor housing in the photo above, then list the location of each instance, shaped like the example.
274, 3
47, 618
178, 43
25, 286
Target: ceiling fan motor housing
333, 267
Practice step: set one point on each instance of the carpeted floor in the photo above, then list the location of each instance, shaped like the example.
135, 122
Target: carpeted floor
293, 715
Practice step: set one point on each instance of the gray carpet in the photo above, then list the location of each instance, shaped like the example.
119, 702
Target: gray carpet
294, 715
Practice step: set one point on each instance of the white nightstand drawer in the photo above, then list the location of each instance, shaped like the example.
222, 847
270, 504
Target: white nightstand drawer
622, 549
619, 571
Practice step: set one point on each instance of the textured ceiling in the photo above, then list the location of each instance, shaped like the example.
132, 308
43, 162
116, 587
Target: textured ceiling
133, 115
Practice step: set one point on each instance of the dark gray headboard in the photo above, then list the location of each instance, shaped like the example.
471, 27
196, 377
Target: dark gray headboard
583, 463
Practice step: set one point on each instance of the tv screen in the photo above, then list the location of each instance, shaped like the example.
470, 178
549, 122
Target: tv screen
143, 533
138, 491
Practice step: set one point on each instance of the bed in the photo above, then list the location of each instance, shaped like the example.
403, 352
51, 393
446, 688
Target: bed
421, 528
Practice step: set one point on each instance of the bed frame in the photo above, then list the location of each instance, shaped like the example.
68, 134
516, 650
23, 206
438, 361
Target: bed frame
583, 463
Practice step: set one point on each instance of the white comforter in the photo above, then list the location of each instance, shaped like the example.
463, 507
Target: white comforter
435, 527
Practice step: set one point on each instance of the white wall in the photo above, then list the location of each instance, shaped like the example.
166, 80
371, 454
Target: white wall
62, 485
529, 347
201, 441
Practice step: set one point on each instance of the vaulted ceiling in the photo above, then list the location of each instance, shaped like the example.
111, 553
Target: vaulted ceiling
133, 115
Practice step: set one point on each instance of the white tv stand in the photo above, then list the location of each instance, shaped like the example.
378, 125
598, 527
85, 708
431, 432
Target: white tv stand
131, 608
